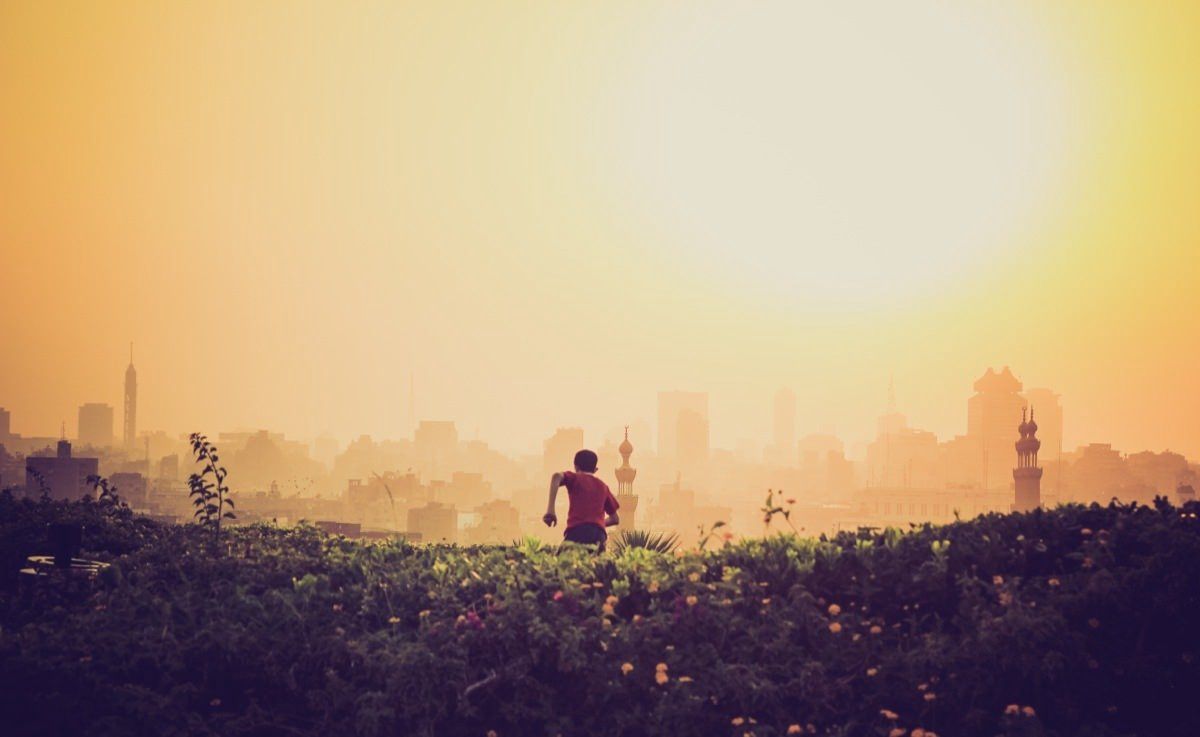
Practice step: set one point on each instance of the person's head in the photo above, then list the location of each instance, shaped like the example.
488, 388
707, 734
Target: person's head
585, 461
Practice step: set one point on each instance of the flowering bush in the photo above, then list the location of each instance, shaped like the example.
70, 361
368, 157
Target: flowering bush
1019, 624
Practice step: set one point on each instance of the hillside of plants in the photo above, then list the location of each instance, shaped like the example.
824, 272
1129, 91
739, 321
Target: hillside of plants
1075, 621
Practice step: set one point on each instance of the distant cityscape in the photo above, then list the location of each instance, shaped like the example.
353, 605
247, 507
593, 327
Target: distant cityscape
437, 487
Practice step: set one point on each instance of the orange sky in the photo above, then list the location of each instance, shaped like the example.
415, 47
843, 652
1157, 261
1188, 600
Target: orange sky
549, 211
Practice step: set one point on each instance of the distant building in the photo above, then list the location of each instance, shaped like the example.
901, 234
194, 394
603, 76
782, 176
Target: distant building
686, 414
130, 403
434, 523
627, 500
435, 443
131, 488
499, 522
96, 425
63, 476
5, 424
559, 449
168, 467
991, 414
1027, 476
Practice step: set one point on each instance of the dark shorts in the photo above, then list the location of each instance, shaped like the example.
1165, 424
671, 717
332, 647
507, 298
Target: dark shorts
587, 534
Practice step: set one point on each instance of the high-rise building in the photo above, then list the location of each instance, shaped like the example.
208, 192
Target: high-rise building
992, 412
559, 449
1027, 476
1049, 408
686, 414
130, 403
5, 423
96, 425
627, 500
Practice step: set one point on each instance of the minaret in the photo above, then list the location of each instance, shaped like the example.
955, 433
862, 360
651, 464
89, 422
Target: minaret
625, 476
1027, 476
130, 403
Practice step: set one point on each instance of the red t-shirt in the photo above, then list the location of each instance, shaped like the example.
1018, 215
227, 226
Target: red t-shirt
589, 499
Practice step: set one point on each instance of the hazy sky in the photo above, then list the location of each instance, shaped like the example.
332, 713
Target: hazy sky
549, 211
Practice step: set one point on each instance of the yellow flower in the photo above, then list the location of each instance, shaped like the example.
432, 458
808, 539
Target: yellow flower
889, 714
661, 678
685, 679
876, 629
660, 668
424, 613
1028, 711
930, 696
626, 668
652, 587
794, 729
1012, 710
872, 671
691, 601
896, 732
393, 620
737, 721
607, 609
611, 600
835, 627
834, 610
693, 577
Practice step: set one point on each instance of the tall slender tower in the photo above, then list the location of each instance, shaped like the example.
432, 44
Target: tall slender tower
1027, 476
130, 403
625, 476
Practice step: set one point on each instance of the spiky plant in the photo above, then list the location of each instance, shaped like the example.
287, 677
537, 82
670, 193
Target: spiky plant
657, 542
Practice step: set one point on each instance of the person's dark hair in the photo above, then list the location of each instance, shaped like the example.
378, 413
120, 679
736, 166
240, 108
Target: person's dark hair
586, 460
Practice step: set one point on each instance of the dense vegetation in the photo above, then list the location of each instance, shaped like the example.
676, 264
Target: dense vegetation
1078, 621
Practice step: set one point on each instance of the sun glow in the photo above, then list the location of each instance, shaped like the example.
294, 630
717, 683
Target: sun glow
839, 154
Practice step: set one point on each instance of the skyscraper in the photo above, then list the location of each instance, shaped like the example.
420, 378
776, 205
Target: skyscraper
687, 411
1027, 476
991, 413
130, 403
95, 424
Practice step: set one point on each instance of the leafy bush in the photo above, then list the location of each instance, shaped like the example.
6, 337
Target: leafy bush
1077, 621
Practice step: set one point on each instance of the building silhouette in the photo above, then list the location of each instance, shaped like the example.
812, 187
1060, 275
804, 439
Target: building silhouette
991, 414
130, 403
559, 449
62, 475
96, 425
627, 500
434, 523
5, 424
682, 428
1027, 476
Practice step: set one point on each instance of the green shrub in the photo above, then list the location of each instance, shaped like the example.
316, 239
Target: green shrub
1077, 621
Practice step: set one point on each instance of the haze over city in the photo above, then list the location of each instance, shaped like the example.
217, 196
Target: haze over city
546, 229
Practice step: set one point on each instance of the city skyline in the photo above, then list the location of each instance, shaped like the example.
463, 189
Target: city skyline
694, 200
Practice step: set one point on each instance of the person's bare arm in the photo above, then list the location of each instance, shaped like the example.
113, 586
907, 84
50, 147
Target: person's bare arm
612, 520
550, 518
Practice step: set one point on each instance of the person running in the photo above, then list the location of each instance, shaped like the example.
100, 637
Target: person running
592, 506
